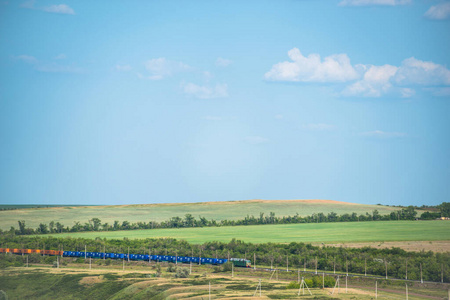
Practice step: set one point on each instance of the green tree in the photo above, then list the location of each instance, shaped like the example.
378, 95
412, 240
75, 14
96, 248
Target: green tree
444, 207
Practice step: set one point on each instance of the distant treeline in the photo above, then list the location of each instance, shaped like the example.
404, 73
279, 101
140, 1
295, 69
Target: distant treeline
95, 224
395, 261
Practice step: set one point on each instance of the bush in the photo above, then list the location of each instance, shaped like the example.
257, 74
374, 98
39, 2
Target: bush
171, 268
182, 273
329, 281
293, 285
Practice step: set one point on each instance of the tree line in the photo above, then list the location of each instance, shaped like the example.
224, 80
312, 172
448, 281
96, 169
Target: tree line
395, 261
95, 224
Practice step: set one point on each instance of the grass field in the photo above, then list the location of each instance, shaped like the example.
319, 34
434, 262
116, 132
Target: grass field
230, 210
318, 233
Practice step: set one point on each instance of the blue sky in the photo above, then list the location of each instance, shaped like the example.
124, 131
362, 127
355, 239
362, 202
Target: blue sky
114, 102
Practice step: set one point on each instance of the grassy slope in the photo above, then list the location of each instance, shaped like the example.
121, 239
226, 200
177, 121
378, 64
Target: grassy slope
322, 232
231, 210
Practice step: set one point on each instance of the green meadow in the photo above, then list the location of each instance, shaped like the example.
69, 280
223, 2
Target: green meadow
231, 210
314, 233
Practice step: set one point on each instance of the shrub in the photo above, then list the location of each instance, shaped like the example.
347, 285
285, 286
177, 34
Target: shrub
182, 273
293, 285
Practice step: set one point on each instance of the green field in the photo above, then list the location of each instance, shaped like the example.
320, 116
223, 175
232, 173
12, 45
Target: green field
314, 233
231, 210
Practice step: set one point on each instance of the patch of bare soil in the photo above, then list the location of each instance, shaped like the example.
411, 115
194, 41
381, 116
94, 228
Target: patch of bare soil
435, 246
91, 280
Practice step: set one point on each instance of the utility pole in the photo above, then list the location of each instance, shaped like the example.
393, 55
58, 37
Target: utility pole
376, 289
385, 263
365, 266
85, 254
406, 275
346, 265
287, 263
406, 291
421, 278
316, 265
334, 265
254, 261
128, 254
346, 284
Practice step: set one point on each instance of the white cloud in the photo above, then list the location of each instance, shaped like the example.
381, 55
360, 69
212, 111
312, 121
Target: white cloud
334, 68
56, 68
381, 80
56, 9
48, 67
373, 2
407, 92
213, 118
414, 71
122, 68
362, 80
439, 12
383, 134
59, 9
439, 92
161, 68
254, 140
375, 82
223, 62
28, 4
318, 126
60, 56
27, 59
205, 92
279, 117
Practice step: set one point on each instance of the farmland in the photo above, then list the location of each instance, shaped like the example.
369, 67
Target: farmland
231, 210
318, 233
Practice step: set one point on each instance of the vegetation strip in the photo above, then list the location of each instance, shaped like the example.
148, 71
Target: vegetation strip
393, 263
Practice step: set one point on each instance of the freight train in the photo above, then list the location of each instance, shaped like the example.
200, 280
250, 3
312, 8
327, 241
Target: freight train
101, 255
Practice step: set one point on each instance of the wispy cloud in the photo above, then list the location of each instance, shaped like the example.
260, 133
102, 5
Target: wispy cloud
383, 134
55, 9
373, 2
27, 59
334, 68
59, 9
160, 68
255, 140
279, 117
204, 91
50, 67
122, 68
439, 91
223, 62
440, 11
318, 126
60, 56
